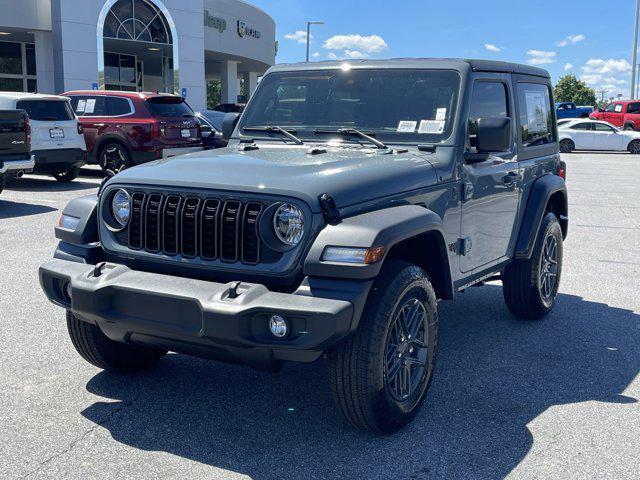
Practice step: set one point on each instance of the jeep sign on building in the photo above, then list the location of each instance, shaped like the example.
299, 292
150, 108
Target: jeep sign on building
52, 46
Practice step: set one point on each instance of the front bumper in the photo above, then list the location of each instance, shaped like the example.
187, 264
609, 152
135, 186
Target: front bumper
58, 160
11, 166
197, 317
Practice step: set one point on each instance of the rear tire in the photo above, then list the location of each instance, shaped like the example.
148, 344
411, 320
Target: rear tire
530, 287
567, 146
114, 158
634, 147
629, 128
68, 175
381, 372
99, 350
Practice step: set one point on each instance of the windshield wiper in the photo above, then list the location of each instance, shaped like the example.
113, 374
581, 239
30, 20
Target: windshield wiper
356, 132
275, 128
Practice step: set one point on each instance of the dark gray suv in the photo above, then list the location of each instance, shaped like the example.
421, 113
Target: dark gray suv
351, 199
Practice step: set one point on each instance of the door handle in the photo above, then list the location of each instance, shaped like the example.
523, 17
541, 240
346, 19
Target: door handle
99, 125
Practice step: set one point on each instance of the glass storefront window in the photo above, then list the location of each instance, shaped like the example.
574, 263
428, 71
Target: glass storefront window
30, 53
18, 67
11, 58
11, 84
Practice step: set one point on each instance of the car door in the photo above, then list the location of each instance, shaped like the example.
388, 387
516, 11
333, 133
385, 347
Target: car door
607, 137
91, 110
614, 113
582, 135
490, 187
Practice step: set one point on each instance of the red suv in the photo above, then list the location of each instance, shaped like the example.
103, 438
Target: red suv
128, 128
624, 114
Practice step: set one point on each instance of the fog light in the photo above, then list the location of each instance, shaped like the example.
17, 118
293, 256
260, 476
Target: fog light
278, 326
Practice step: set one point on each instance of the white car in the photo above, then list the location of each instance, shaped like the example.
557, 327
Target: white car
582, 134
57, 138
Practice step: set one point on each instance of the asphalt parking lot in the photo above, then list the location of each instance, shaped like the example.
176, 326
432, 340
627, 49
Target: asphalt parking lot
552, 399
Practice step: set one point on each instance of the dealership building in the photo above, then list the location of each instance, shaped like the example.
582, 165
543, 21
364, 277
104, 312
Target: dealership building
53, 46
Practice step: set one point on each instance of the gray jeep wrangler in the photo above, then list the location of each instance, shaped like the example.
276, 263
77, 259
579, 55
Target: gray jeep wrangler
351, 199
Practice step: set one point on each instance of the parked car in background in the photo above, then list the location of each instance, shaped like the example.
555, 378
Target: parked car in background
211, 125
57, 140
571, 110
564, 121
230, 107
624, 114
15, 139
123, 129
596, 135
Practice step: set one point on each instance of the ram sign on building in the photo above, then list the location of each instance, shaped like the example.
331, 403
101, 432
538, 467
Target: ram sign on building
53, 46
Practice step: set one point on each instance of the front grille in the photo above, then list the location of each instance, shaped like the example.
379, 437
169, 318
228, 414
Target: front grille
210, 228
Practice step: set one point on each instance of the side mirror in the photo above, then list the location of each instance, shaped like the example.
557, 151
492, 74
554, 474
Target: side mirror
229, 123
206, 130
494, 134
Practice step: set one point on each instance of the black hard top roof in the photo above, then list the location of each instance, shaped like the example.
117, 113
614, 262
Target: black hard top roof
437, 63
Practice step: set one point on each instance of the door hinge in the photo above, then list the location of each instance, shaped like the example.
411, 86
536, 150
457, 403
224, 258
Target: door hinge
462, 246
466, 191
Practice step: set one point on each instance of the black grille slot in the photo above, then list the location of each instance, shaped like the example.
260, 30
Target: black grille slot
190, 212
152, 222
250, 236
229, 231
170, 225
135, 224
209, 229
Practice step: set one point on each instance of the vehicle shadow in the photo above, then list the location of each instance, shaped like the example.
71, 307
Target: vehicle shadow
494, 375
9, 209
47, 184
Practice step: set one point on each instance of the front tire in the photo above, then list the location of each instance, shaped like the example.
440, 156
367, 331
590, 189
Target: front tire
567, 146
96, 348
530, 287
114, 158
68, 175
381, 372
634, 147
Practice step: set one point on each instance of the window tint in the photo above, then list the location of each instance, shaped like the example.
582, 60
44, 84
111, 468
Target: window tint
89, 106
601, 127
118, 106
46, 109
633, 108
169, 107
536, 115
489, 99
582, 126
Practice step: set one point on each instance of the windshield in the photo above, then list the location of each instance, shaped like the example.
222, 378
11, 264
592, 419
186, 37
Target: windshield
392, 105
54, 110
169, 107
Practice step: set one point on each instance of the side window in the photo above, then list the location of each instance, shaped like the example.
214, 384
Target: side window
489, 99
601, 127
89, 106
633, 108
536, 115
582, 126
610, 107
117, 106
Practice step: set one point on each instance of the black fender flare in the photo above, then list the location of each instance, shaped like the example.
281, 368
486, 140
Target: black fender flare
379, 228
541, 192
85, 210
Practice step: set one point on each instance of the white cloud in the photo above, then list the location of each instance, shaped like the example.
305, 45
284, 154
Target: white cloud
611, 76
300, 36
571, 40
492, 48
568, 66
354, 42
541, 57
332, 56
315, 54
347, 54
598, 65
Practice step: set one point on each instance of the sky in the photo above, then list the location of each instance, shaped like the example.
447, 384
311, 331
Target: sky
592, 39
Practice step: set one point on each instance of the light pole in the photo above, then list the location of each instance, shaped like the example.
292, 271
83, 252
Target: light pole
635, 51
309, 34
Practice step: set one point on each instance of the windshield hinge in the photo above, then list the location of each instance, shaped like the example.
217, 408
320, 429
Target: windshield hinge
330, 212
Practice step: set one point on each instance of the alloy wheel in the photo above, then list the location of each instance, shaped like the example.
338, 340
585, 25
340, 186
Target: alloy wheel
114, 160
548, 277
406, 350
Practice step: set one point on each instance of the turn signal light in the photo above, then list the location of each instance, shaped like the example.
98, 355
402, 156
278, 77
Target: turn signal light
562, 170
362, 256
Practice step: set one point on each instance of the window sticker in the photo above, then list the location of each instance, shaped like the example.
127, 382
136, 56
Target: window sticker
618, 108
82, 104
441, 114
536, 111
90, 106
407, 126
431, 126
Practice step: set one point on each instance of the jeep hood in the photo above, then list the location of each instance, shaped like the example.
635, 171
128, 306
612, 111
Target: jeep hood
350, 175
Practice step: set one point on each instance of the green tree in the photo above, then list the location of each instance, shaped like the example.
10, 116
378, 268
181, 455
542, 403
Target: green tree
570, 89
214, 88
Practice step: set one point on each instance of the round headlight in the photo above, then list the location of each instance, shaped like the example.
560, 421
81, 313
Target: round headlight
121, 207
288, 223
